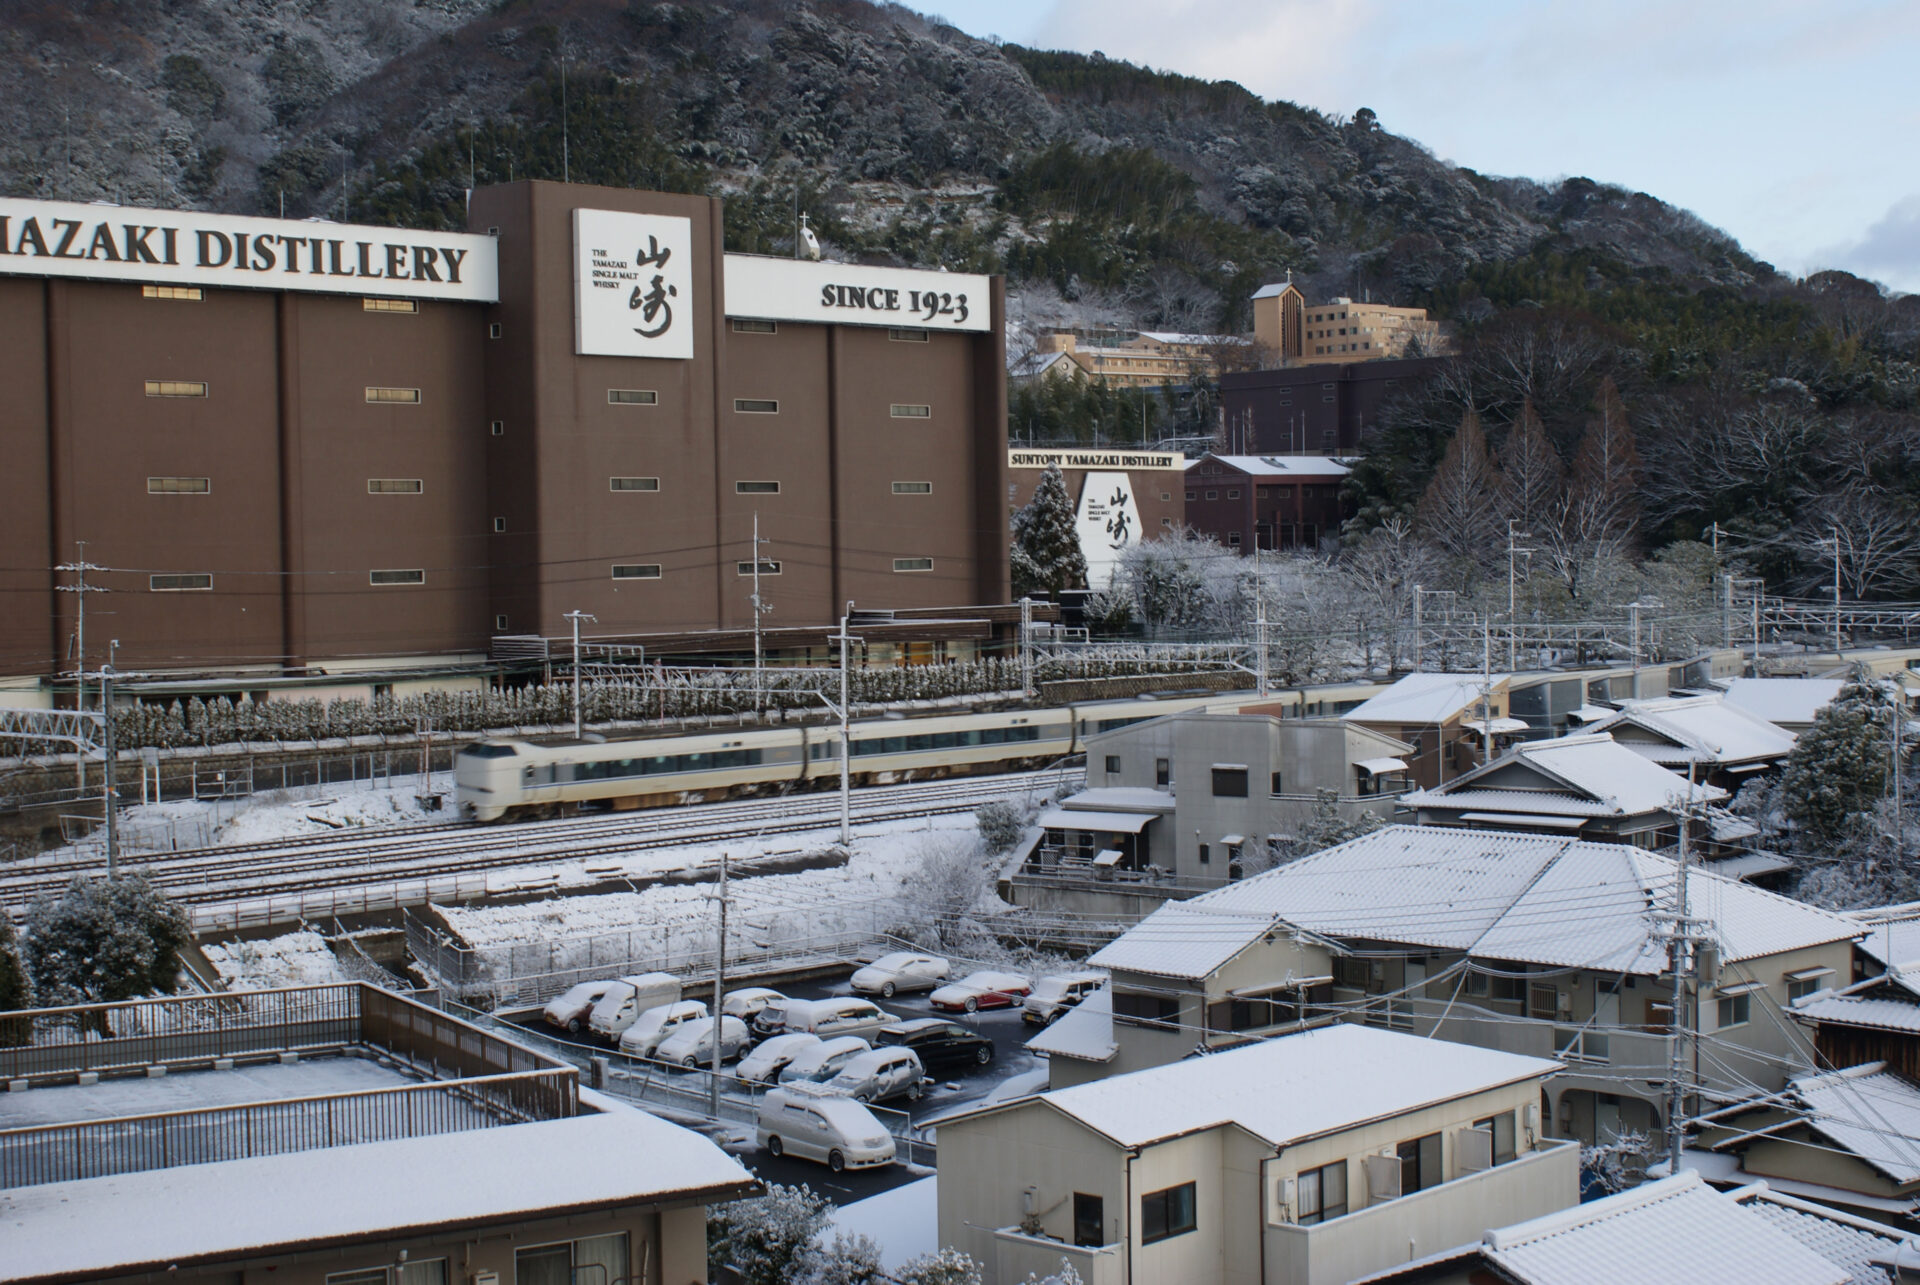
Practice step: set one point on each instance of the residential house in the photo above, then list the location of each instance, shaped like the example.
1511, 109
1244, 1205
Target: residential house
1789, 703
1303, 1161
1588, 786
1441, 717
1675, 1229
330, 1135
1540, 944
1703, 738
1253, 503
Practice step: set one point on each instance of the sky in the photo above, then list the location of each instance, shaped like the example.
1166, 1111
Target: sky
1794, 125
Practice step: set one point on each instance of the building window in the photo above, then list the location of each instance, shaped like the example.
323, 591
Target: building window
179, 485
389, 305
1501, 1127
1162, 772
397, 577
175, 388
636, 571
1089, 1220
913, 564
1806, 981
1146, 1007
632, 397
592, 1259
1206, 854
633, 484
1275, 786
904, 410
756, 488
913, 488
179, 583
1233, 495
1734, 1010
394, 396
1233, 539
1167, 522
493, 330
756, 406
498, 428
190, 294
1167, 1213
1321, 1194
1213, 495
394, 486
751, 326
1166, 497
499, 526
1229, 781
903, 336
500, 623
1113, 765
1192, 496
431, 1272
768, 567
1420, 1164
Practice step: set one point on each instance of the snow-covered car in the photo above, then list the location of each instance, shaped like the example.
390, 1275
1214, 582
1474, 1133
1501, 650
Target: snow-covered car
770, 1056
818, 1124
824, 1060
652, 1027
879, 1074
691, 1043
629, 997
984, 989
899, 972
1055, 994
570, 1011
746, 1004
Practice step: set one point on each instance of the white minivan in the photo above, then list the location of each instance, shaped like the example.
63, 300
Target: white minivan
846, 1015
629, 997
808, 1121
824, 1060
652, 1027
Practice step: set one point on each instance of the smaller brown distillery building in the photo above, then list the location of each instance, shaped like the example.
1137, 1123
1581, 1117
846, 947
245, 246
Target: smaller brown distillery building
1264, 502
287, 445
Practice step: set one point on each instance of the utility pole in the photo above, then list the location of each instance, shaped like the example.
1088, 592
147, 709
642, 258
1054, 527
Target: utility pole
579, 731
1026, 646
1260, 636
1896, 720
1633, 613
760, 608
1836, 591
1416, 628
846, 641
80, 588
112, 801
1682, 942
1726, 608
1513, 621
1486, 688
719, 994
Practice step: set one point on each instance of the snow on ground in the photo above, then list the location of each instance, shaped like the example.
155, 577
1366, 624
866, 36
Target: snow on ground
904, 1222
858, 898
297, 959
279, 814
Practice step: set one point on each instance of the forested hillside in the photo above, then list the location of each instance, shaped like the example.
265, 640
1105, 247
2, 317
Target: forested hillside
1780, 409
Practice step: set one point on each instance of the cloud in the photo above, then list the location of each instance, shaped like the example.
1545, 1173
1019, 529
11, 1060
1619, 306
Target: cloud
1888, 251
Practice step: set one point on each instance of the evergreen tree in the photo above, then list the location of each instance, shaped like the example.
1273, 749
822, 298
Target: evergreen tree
1838, 768
15, 994
1046, 547
105, 940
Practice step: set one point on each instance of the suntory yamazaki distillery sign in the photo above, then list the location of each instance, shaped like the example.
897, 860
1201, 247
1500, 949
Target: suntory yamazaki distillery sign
184, 247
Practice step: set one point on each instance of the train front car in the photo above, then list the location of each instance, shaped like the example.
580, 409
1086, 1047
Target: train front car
486, 779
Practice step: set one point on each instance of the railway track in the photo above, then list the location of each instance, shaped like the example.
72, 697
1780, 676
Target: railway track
443, 857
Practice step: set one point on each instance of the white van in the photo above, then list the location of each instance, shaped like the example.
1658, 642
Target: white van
651, 1028
819, 1125
1055, 994
629, 997
824, 1060
846, 1015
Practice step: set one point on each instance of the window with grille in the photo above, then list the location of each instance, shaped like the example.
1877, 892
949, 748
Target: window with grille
632, 397
748, 326
179, 485
176, 388
180, 583
756, 406
398, 577
768, 567
633, 484
389, 305
907, 410
191, 294
901, 335
756, 488
636, 571
394, 396
913, 564
395, 486
913, 488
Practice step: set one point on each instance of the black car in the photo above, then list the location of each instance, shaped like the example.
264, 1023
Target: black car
939, 1042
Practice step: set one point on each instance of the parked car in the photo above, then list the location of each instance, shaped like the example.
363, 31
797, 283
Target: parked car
629, 997
807, 1121
690, 1044
985, 989
901, 971
571, 1010
746, 1004
843, 1015
823, 1061
937, 1042
1058, 992
771, 1020
644, 1037
880, 1074
769, 1057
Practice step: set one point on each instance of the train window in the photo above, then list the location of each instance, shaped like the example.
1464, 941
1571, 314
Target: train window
488, 751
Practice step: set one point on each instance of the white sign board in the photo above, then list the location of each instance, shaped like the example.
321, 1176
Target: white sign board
847, 294
632, 285
1107, 523
185, 248
1166, 461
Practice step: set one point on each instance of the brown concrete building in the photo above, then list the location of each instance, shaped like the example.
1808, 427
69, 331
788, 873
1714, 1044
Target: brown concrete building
293, 445
1252, 502
1325, 409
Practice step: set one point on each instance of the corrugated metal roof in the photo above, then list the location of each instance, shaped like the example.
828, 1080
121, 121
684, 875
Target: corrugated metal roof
1676, 1229
1084, 1031
1550, 801
1422, 699
1531, 898
1783, 700
1702, 729
1845, 1241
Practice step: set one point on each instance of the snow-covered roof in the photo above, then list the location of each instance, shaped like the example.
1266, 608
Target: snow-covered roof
1179, 337
1096, 822
1288, 1090
1700, 729
1037, 363
1869, 1111
1119, 798
1304, 466
1592, 766
1845, 1240
1420, 699
1084, 1031
152, 1220
1858, 1010
1893, 938
1273, 288
1675, 1229
1783, 700
1496, 726
1535, 898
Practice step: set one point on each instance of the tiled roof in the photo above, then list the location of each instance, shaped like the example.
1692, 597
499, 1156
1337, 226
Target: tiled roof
1783, 700
1848, 1242
1857, 1010
1084, 1031
1543, 802
1531, 898
1676, 1229
1870, 1112
1701, 729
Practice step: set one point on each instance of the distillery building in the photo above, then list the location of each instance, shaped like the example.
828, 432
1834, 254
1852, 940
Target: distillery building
268, 445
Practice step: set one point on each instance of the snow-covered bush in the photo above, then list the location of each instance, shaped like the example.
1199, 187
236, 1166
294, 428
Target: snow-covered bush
104, 939
1001, 823
766, 1240
950, 876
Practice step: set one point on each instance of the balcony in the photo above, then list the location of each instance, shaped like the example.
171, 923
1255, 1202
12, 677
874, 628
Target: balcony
1603, 1058
1019, 1256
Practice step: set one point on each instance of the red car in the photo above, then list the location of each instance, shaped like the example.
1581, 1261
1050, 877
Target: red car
982, 990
